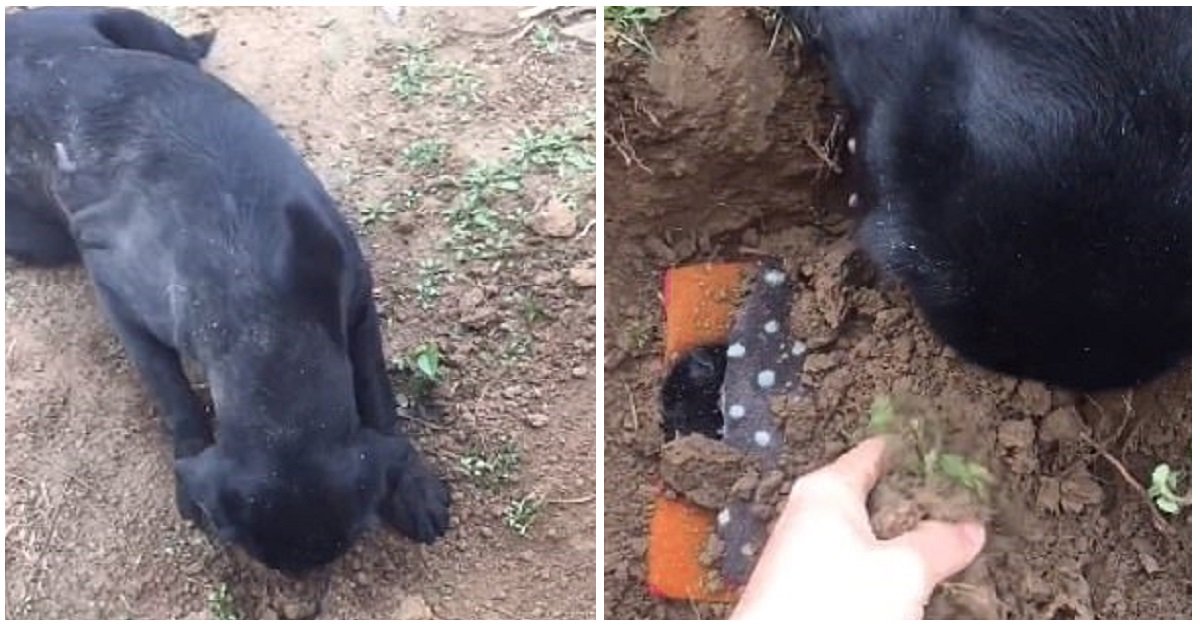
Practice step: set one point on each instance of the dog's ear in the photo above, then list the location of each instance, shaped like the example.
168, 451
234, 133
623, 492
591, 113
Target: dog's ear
313, 261
201, 482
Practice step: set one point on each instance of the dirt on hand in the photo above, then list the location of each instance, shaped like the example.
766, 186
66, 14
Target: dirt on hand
720, 146
435, 129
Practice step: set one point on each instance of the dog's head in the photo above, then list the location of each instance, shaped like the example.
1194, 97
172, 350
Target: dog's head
292, 510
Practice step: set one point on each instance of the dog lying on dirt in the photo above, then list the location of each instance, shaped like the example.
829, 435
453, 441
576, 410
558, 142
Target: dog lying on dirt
207, 237
1028, 176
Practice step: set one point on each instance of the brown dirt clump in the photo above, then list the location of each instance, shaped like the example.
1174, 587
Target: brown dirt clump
716, 149
92, 530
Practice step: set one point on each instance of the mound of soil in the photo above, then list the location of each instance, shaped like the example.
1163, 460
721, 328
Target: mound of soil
718, 146
91, 524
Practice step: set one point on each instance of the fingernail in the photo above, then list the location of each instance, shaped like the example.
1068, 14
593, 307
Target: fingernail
975, 536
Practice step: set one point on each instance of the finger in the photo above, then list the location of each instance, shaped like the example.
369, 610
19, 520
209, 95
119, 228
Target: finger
943, 549
860, 467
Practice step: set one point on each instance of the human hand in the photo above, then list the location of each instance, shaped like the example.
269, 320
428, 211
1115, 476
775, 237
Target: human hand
822, 560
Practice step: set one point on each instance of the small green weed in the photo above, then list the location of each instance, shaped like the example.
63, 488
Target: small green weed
380, 212
521, 513
923, 435
554, 150
628, 25
221, 604
545, 40
477, 230
420, 370
518, 346
412, 199
1164, 490
532, 311
426, 361
429, 282
413, 75
426, 154
491, 468
466, 88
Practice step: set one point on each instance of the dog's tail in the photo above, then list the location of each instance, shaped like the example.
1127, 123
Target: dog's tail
137, 31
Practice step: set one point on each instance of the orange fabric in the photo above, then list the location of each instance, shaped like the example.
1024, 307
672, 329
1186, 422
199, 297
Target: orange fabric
700, 302
679, 532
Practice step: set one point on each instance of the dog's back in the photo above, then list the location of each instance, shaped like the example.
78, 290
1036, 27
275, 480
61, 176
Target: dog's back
148, 157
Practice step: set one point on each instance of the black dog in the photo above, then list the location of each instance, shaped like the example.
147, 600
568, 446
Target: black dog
207, 237
1029, 177
691, 394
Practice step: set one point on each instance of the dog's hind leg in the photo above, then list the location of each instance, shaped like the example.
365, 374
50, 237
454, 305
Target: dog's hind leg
34, 231
137, 31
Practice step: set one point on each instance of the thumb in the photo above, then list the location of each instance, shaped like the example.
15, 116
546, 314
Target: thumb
943, 549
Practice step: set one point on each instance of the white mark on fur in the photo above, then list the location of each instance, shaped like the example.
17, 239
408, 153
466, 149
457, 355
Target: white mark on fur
766, 379
774, 277
771, 327
723, 518
762, 438
736, 350
853, 200
64, 160
737, 411
852, 145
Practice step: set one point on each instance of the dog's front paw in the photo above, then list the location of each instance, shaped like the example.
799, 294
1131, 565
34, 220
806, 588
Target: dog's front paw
419, 507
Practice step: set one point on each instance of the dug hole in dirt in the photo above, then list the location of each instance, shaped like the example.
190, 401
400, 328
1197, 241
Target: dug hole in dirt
718, 146
403, 113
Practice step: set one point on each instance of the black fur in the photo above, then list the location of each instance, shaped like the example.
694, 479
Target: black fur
1028, 172
691, 394
208, 238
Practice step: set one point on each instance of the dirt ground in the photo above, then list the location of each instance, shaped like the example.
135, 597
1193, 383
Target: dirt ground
396, 111
713, 151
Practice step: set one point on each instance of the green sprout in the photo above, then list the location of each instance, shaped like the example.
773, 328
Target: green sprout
1164, 490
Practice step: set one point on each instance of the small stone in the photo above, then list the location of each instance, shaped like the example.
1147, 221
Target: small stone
579, 372
537, 420
1063, 424
486, 532
1048, 494
1015, 434
1145, 552
1080, 491
583, 277
394, 14
554, 219
299, 609
413, 607
470, 299
545, 277
774, 277
1036, 396
583, 31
